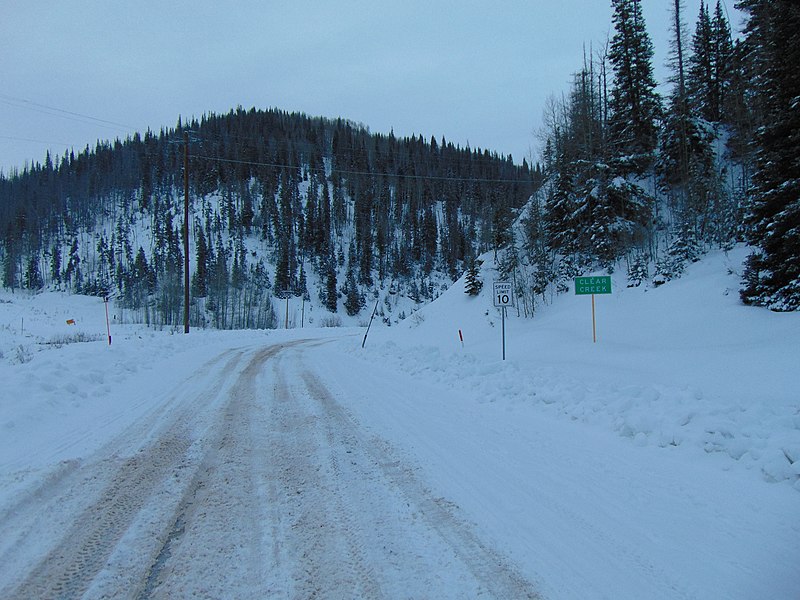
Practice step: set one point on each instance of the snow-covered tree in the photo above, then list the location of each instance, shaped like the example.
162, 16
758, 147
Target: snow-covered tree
472, 283
634, 104
772, 277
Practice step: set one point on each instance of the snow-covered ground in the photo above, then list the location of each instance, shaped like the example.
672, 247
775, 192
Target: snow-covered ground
662, 461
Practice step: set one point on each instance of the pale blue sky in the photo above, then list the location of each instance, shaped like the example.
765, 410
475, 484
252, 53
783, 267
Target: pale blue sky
473, 72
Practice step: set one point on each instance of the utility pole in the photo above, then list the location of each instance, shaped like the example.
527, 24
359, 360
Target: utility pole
186, 232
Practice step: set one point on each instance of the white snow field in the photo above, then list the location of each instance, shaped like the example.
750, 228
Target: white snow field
662, 461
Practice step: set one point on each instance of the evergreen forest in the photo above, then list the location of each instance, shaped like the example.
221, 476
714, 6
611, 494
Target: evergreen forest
648, 183
287, 205
280, 204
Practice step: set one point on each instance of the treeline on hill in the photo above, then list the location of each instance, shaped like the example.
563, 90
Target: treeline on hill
277, 199
651, 183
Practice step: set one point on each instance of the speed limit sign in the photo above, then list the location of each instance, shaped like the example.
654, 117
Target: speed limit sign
502, 294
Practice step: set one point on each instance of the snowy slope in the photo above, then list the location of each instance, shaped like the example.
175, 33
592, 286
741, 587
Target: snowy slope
661, 462
685, 364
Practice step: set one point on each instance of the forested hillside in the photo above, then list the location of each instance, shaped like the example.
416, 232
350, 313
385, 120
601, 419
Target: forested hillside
288, 205
278, 200
649, 184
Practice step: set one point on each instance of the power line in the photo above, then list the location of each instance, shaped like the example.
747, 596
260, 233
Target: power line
21, 139
458, 156
473, 157
366, 173
55, 111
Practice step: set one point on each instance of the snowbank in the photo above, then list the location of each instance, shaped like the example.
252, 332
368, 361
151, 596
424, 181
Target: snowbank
684, 367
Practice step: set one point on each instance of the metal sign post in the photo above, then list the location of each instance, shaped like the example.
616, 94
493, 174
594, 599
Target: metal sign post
503, 296
366, 333
108, 326
592, 285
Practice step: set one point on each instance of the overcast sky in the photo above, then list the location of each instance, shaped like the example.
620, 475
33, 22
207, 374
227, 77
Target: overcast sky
474, 72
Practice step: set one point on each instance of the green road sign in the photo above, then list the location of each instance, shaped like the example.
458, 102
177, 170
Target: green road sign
592, 285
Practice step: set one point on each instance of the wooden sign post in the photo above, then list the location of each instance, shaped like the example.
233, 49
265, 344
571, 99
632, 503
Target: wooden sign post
592, 285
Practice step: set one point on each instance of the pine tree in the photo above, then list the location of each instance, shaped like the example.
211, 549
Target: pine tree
248, 213
711, 65
239, 267
637, 270
472, 283
723, 62
302, 283
772, 275
428, 239
200, 275
560, 222
55, 264
739, 116
72, 272
10, 266
700, 76
634, 103
615, 213
283, 276
330, 295
686, 159
352, 297
363, 237
140, 282
33, 276
143, 274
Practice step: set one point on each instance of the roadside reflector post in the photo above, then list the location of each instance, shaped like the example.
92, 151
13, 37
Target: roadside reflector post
461, 337
589, 286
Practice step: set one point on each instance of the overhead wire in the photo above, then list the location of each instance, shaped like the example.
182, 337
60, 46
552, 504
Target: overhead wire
475, 156
22, 139
60, 112
365, 173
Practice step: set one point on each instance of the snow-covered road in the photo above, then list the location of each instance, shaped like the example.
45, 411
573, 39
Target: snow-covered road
249, 480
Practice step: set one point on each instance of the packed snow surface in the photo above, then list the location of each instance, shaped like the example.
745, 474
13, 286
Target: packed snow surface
662, 461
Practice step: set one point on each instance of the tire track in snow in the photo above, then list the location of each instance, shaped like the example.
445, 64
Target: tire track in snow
69, 568
213, 546
309, 545
495, 574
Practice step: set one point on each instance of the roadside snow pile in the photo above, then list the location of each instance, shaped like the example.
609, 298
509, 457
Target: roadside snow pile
756, 434
65, 390
683, 366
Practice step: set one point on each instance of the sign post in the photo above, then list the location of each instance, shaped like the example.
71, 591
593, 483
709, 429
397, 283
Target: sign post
503, 296
592, 285
374, 310
108, 326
